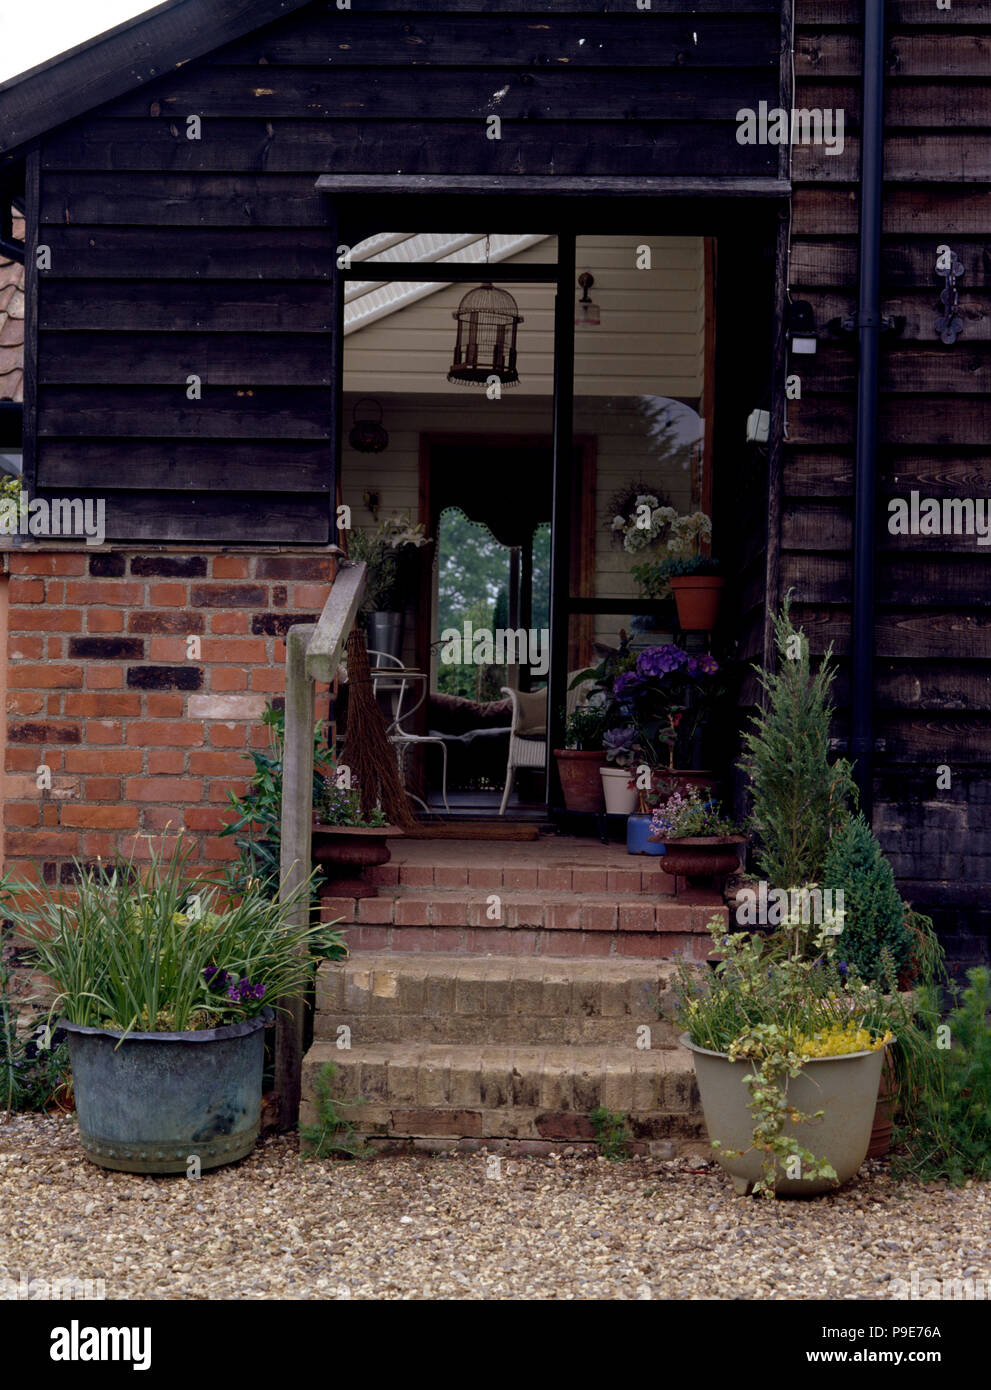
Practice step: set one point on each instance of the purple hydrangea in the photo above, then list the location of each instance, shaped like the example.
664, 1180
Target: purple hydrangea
704, 665
626, 682
661, 661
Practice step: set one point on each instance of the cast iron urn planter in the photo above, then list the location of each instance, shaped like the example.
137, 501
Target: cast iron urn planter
346, 852
700, 856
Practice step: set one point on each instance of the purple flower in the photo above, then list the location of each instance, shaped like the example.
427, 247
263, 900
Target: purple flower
215, 977
618, 740
661, 661
244, 991
843, 969
704, 665
627, 681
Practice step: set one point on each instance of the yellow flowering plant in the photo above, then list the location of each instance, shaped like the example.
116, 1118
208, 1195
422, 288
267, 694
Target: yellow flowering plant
770, 1003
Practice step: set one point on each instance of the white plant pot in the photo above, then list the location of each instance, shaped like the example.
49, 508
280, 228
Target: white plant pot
619, 790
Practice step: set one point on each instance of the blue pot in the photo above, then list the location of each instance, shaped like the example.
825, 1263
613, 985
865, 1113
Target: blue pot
637, 831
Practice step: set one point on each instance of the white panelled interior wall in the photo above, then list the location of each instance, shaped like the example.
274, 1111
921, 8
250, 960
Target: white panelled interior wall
649, 343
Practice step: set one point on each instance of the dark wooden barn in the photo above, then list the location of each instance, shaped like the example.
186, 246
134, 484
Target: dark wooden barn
192, 182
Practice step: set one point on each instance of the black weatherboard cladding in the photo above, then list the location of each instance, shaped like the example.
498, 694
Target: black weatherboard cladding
214, 258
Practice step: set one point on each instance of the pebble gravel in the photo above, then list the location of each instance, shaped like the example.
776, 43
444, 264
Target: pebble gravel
467, 1227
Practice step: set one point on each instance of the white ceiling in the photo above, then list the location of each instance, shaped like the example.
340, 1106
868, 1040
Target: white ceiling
368, 300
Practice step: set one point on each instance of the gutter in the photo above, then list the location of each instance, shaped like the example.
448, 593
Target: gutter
868, 325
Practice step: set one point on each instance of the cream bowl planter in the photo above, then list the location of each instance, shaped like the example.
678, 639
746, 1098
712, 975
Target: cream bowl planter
844, 1087
621, 797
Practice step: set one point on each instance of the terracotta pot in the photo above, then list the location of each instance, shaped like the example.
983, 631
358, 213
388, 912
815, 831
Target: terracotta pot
884, 1111
580, 781
697, 597
698, 856
344, 852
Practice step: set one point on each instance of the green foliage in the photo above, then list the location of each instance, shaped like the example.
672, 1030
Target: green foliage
585, 728
799, 798
612, 1133
332, 1133
11, 488
257, 823
389, 554
149, 947
690, 815
34, 1070
945, 1091
342, 806
654, 576
874, 915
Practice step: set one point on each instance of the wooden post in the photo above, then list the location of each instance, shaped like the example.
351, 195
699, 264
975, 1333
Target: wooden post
313, 652
297, 823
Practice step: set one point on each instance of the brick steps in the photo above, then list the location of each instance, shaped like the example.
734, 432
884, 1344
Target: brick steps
443, 1094
535, 922
518, 870
449, 1050
391, 997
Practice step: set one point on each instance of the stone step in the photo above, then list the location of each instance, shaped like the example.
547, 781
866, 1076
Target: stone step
395, 997
437, 1096
517, 872
536, 922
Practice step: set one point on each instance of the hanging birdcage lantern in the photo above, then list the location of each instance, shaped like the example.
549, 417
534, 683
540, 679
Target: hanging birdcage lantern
368, 436
486, 341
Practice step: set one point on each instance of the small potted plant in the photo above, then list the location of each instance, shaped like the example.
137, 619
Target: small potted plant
578, 763
389, 554
164, 990
698, 839
346, 841
687, 571
788, 1049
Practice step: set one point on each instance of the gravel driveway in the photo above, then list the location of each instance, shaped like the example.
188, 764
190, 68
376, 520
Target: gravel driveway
466, 1227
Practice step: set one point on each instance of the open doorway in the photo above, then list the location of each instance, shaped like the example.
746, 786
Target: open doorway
487, 500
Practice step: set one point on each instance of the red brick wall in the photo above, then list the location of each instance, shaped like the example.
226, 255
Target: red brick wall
140, 735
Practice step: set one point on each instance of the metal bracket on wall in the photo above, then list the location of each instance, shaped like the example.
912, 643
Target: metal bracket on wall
950, 269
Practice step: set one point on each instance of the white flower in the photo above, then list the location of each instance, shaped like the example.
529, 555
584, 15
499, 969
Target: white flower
618, 523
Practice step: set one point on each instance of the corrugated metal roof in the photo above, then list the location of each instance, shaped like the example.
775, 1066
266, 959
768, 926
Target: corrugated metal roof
368, 300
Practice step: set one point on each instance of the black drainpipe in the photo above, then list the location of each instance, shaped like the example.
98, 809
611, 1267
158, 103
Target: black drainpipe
868, 336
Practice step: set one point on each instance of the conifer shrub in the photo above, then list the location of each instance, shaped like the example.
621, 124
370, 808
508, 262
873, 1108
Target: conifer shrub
874, 916
800, 798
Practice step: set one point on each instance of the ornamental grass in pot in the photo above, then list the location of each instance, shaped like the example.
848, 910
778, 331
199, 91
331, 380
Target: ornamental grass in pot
788, 1046
164, 990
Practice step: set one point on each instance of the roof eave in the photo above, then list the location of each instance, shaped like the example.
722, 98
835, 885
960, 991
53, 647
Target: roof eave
124, 58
